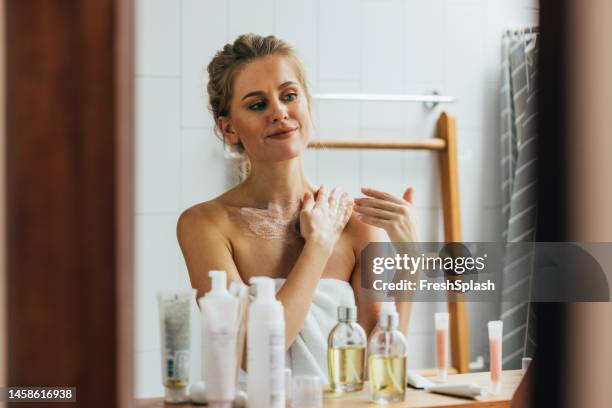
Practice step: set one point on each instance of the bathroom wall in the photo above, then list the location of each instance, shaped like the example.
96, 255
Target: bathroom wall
373, 46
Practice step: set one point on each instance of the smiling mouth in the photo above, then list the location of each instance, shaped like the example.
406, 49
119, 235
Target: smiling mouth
284, 133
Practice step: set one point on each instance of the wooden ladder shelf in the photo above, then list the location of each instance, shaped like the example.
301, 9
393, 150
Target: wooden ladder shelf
446, 144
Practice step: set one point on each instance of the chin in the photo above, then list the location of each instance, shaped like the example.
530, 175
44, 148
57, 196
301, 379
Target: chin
288, 151
286, 154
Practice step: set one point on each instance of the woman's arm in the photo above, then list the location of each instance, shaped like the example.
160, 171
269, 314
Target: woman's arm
321, 224
395, 216
367, 309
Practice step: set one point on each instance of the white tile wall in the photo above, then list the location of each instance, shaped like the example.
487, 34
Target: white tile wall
251, 16
395, 46
157, 36
157, 145
204, 26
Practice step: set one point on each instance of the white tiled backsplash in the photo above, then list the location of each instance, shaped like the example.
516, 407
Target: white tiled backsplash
382, 46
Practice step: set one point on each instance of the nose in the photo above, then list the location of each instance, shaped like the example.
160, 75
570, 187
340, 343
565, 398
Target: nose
278, 111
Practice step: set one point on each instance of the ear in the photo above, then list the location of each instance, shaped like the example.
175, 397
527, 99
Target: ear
226, 127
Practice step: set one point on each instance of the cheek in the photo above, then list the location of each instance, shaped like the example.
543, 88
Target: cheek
303, 115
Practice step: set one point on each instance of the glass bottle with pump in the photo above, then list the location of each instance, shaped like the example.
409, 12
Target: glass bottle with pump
387, 358
346, 347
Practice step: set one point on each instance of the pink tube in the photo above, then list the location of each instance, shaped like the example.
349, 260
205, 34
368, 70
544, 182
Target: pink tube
495, 353
441, 322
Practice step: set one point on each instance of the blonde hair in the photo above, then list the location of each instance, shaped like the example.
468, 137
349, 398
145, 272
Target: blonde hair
228, 62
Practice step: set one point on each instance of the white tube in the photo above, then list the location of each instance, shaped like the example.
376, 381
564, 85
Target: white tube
175, 337
441, 322
219, 314
458, 390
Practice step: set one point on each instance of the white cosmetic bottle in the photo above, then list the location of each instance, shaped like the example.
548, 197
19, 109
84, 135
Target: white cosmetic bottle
219, 328
266, 347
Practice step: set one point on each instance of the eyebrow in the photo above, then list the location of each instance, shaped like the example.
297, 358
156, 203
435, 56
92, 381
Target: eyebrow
259, 93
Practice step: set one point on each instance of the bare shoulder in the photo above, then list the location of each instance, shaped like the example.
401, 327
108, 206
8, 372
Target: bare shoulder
361, 233
207, 218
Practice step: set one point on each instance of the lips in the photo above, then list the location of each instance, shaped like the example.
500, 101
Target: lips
282, 132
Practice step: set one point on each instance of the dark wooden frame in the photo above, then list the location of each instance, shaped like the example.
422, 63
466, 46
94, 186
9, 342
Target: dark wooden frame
69, 138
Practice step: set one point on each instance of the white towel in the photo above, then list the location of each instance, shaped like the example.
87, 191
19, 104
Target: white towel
308, 353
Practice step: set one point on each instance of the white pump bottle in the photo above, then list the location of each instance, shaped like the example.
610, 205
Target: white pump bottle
266, 347
219, 315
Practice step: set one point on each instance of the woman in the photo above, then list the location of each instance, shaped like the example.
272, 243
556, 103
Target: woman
276, 223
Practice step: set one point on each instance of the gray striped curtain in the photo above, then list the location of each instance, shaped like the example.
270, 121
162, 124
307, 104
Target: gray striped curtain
519, 178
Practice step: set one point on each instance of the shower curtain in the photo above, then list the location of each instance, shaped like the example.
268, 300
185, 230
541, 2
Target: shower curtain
519, 178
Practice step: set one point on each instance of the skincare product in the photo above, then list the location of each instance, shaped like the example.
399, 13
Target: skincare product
175, 336
457, 390
346, 346
525, 361
441, 322
219, 322
418, 381
197, 393
495, 349
265, 347
241, 292
387, 359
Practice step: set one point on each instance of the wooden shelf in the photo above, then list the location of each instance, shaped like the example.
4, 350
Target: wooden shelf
434, 143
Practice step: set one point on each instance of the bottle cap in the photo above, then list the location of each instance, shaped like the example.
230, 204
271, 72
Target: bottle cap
525, 361
176, 395
347, 314
441, 320
219, 284
388, 316
495, 328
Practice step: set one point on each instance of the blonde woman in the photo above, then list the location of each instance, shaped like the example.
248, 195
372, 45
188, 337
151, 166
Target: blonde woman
276, 223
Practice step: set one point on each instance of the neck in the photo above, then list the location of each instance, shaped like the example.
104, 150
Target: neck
277, 183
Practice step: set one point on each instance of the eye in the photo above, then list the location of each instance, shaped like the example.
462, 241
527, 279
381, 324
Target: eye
291, 96
259, 105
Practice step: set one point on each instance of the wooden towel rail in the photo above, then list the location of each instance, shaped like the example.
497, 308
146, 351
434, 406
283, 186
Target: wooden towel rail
445, 143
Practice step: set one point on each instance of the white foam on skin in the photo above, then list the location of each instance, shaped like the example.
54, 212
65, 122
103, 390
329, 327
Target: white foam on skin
277, 222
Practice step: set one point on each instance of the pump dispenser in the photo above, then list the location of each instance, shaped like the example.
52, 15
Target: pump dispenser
219, 328
346, 346
387, 358
266, 347
219, 284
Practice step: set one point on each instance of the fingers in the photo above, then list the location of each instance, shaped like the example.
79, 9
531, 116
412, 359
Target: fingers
334, 198
375, 212
346, 208
377, 203
322, 197
307, 201
381, 195
408, 194
376, 222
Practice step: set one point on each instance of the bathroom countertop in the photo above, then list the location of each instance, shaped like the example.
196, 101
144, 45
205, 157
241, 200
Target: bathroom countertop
414, 398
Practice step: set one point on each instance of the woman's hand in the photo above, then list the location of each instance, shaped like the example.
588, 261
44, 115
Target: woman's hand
323, 219
395, 215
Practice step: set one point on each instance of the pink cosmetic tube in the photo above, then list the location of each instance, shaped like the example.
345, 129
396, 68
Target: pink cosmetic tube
441, 322
495, 352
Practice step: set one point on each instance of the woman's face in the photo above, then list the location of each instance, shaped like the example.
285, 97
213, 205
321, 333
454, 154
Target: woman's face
269, 111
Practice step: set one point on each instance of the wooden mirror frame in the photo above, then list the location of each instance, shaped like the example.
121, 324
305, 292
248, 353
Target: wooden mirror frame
69, 196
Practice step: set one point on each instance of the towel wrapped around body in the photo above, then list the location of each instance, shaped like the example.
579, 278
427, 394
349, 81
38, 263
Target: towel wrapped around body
308, 353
